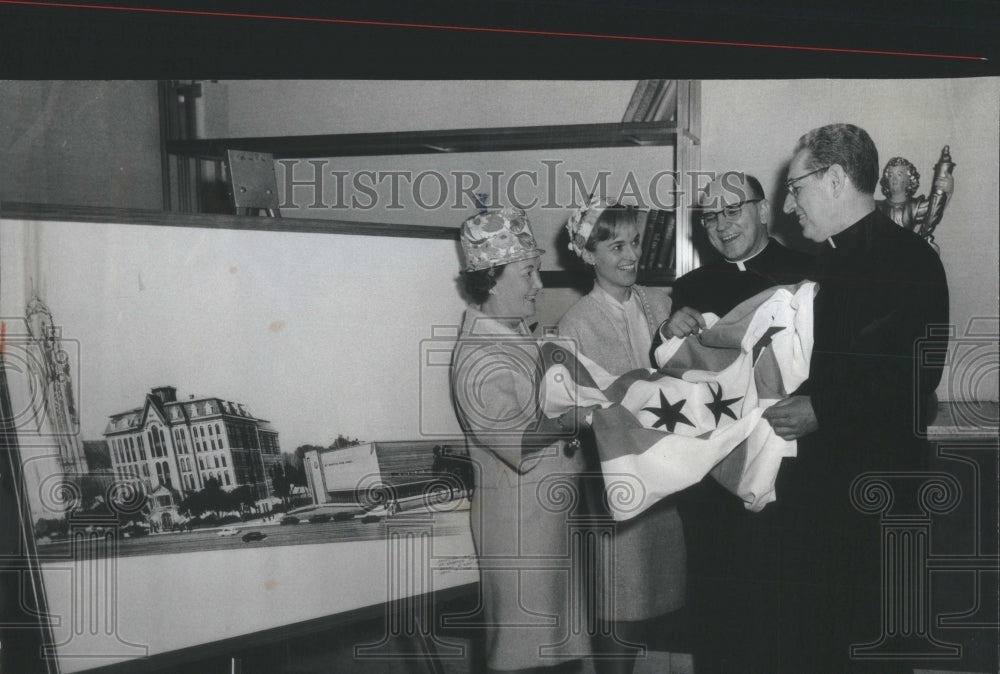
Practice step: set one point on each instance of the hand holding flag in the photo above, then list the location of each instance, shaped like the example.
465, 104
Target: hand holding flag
659, 432
792, 417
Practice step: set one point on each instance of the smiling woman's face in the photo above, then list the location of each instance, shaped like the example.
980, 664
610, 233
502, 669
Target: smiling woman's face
514, 294
616, 259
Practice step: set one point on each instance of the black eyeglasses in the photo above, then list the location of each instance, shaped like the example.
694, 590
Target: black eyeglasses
795, 189
730, 213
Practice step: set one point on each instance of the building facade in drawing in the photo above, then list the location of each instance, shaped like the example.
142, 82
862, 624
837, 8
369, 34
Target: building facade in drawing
372, 472
57, 383
176, 446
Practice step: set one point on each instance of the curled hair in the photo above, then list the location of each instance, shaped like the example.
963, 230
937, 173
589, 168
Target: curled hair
846, 145
611, 219
478, 283
913, 177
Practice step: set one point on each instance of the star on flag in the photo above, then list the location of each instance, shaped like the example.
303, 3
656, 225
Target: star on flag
677, 444
668, 414
718, 406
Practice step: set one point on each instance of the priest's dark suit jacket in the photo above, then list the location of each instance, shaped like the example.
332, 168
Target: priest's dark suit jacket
732, 562
720, 285
876, 361
792, 588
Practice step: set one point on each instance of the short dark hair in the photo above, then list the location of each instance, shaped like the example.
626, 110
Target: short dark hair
756, 189
846, 145
478, 283
611, 219
749, 189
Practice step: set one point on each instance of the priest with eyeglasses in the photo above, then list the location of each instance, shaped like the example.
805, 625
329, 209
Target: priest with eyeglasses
730, 579
735, 215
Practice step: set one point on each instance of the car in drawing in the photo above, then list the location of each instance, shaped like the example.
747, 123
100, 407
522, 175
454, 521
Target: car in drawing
253, 536
228, 531
375, 514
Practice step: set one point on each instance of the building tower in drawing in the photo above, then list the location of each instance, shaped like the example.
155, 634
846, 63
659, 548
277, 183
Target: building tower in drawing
56, 378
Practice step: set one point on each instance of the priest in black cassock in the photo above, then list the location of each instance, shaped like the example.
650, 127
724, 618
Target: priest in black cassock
735, 214
860, 413
732, 563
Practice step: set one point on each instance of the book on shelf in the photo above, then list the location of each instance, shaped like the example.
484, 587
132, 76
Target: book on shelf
649, 100
665, 255
659, 247
644, 225
636, 100
656, 238
643, 100
665, 104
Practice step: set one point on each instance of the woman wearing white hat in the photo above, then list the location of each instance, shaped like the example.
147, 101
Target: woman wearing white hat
525, 466
614, 326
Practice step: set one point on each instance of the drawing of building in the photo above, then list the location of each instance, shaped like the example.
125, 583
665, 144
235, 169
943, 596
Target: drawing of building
180, 445
399, 469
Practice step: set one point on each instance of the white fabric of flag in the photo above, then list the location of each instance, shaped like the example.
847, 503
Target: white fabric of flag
660, 431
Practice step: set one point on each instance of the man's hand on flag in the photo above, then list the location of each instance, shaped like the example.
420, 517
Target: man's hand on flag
703, 411
685, 321
792, 418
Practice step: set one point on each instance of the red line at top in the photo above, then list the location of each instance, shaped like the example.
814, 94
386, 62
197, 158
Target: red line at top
480, 29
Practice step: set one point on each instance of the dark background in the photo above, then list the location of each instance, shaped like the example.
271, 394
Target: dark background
76, 40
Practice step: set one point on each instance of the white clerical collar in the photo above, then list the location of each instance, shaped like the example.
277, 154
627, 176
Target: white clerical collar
832, 243
740, 264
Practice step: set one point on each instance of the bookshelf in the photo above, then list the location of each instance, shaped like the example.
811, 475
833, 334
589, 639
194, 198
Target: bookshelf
497, 139
660, 113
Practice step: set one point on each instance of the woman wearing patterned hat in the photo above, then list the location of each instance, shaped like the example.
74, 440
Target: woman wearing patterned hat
525, 465
614, 326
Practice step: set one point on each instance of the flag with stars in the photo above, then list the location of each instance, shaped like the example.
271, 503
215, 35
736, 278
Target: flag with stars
660, 431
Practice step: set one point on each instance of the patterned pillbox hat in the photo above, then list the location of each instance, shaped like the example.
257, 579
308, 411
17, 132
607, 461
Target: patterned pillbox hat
581, 222
497, 237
